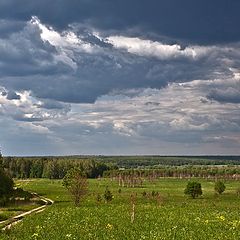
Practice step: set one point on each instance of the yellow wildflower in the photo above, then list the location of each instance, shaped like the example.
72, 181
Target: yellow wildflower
109, 226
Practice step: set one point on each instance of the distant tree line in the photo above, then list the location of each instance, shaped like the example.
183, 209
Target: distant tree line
210, 172
158, 161
146, 166
52, 168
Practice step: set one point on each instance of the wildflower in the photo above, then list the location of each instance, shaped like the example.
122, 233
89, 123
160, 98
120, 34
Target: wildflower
109, 226
68, 235
222, 218
207, 221
35, 236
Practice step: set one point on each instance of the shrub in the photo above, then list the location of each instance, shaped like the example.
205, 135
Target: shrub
144, 194
219, 187
98, 198
108, 196
194, 189
154, 193
20, 193
238, 191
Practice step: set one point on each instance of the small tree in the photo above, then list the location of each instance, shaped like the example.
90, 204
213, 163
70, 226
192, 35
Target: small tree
108, 196
194, 189
76, 183
219, 187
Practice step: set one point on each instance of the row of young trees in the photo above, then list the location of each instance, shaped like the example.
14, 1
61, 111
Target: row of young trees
158, 161
210, 172
51, 168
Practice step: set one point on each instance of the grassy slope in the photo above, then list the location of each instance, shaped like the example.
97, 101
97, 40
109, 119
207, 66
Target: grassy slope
208, 217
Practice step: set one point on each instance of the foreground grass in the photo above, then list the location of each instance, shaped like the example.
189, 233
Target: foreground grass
178, 217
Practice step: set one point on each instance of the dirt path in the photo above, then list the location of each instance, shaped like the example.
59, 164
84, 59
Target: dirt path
16, 219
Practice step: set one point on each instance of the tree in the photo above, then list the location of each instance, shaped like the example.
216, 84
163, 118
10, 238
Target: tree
6, 184
194, 189
76, 183
219, 187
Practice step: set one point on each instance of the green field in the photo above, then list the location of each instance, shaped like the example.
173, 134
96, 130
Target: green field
174, 216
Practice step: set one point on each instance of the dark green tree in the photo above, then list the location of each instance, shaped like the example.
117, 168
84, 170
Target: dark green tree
219, 187
194, 189
6, 184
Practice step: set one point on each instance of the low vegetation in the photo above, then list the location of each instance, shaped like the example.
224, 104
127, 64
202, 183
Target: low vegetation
113, 202
219, 187
131, 214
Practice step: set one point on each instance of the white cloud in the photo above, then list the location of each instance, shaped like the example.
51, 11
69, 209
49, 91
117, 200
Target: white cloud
67, 43
29, 109
156, 49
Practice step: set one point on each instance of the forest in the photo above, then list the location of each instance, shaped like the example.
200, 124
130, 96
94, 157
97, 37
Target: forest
97, 166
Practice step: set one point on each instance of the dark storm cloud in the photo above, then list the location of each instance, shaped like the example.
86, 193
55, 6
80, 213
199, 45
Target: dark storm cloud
7, 27
23, 53
72, 68
202, 21
229, 95
11, 95
152, 70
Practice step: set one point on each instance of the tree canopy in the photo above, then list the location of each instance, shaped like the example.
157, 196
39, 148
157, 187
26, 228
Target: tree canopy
194, 189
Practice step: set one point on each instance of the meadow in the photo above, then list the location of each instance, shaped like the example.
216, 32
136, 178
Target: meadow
173, 216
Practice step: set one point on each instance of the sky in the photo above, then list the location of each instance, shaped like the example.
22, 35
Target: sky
118, 77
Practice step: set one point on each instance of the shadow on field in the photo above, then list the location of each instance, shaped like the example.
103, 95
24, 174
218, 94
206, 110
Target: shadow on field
62, 201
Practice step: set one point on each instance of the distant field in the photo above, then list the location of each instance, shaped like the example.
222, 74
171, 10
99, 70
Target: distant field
174, 217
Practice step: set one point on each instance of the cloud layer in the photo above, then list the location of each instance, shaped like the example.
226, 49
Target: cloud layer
84, 88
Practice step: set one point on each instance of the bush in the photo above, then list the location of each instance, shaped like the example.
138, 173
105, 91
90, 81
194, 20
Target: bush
194, 189
20, 193
108, 196
3, 217
154, 193
219, 187
98, 198
144, 194
238, 191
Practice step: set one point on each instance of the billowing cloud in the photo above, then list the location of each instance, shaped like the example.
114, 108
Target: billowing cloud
230, 95
70, 66
117, 86
155, 49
